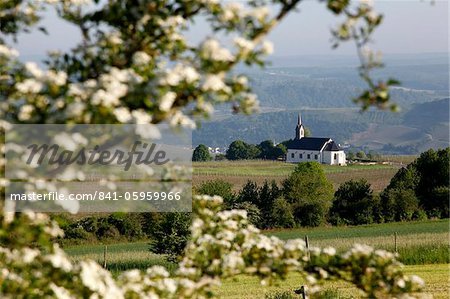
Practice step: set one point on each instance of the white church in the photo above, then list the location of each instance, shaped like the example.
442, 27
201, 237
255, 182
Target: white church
307, 149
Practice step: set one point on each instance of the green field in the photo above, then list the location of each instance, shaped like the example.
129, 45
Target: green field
435, 276
423, 246
238, 172
271, 168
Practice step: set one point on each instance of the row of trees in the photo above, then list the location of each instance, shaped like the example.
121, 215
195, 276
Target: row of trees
306, 197
240, 150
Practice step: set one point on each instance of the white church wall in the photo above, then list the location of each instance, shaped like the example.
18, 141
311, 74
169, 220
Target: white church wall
296, 156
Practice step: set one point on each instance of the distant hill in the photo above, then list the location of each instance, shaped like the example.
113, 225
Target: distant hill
423, 126
428, 114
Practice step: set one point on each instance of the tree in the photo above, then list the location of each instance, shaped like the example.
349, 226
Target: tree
220, 188
428, 178
171, 235
309, 192
399, 204
351, 155
353, 203
266, 198
249, 193
201, 154
239, 150
253, 213
433, 168
282, 214
361, 155
269, 151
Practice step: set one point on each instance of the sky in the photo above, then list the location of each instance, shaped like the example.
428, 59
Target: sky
409, 27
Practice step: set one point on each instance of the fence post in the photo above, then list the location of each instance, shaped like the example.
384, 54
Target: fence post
307, 244
104, 256
395, 242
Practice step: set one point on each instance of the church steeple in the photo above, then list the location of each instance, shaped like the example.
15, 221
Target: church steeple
299, 130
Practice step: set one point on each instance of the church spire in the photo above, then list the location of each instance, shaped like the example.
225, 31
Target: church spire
299, 130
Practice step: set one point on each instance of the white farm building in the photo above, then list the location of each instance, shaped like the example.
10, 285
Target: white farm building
307, 149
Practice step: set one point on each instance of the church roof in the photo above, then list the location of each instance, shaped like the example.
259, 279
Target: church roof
332, 146
308, 143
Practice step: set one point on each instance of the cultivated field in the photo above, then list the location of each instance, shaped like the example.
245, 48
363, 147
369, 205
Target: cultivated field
423, 246
238, 172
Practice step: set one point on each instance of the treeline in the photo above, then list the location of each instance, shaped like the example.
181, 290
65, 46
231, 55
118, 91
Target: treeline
240, 150
306, 197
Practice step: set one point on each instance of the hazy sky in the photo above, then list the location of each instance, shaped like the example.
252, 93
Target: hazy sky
409, 27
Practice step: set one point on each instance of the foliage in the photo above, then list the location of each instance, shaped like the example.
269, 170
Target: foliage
266, 203
271, 152
282, 216
309, 192
433, 168
239, 150
399, 205
222, 245
201, 154
219, 188
171, 235
128, 226
354, 203
253, 212
428, 178
248, 193
281, 295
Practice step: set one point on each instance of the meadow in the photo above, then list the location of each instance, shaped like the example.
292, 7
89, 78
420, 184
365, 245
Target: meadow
422, 246
238, 172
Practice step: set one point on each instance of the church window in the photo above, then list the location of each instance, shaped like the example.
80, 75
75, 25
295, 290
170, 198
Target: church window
292, 155
309, 156
335, 156
301, 156
315, 157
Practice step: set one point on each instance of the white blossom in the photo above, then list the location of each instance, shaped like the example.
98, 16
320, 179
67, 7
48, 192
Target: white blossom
267, 47
33, 69
179, 119
58, 78
211, 49
167, 101
25, 112
260, 13
29, 86
244, 44
214, 83
8, 52
122, 114
141, 58
141, 117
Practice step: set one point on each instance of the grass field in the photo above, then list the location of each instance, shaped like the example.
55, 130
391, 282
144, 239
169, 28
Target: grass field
417, 243
436, 278
238, 172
